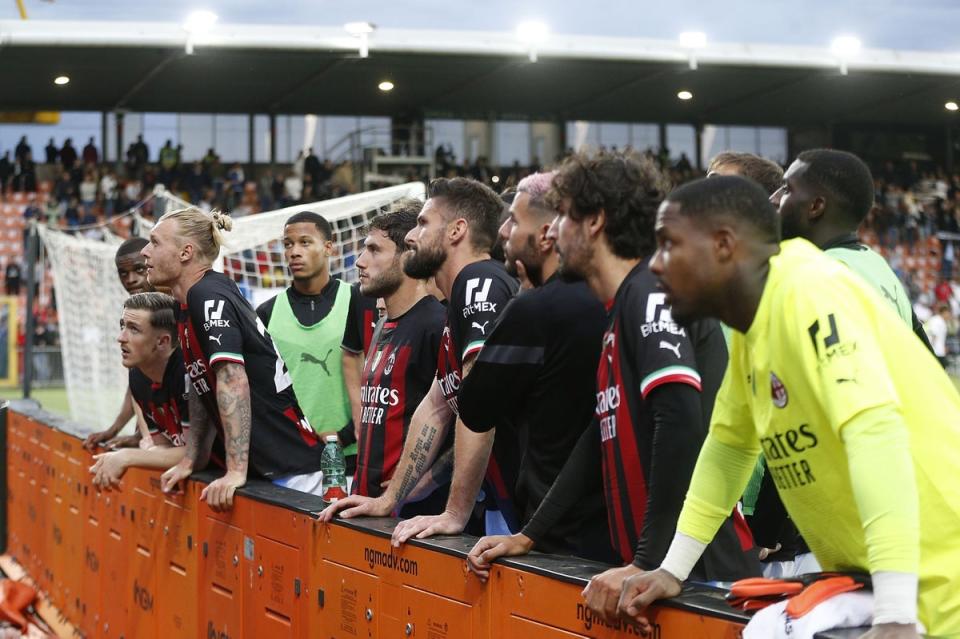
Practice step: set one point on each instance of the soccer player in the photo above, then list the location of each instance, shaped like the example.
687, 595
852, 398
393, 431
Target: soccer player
307, 322
240, 391
547, 339
824, 197
858, 422
655, 385
764, 172
132, 271
452, 240
400, 367
149, 347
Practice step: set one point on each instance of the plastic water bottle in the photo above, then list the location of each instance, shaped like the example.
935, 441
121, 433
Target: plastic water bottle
334, 470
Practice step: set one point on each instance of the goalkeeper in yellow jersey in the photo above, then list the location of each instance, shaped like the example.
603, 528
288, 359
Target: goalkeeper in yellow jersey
859, 424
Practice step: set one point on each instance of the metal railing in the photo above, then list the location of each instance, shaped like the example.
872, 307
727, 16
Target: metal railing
47, 369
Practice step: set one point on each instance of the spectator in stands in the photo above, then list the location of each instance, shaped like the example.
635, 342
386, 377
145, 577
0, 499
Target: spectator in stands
12, 277
292, 189
90, 154
168, 162
311, 166
150, 350
53, 211
240, 390
72, 212
68, 155
52, 152
6, 170
88, 196
141, 152
25, 173
22, 150
109, 192
937, 328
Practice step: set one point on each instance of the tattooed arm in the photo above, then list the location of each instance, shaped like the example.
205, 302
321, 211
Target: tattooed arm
199, 440
428, 428
471, 453
233, 402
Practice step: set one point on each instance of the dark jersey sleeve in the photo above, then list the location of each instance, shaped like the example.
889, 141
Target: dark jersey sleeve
265, 310
505, 369
677, 439
217, 322
361, 316
662, 348
478, 303
581, 476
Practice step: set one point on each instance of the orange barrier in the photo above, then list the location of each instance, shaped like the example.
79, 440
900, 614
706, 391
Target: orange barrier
137, 563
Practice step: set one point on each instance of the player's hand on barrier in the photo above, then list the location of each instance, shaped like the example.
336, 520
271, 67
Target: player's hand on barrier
108, 470
892, 631
127, 441
357, 506
446, 523
602, 594
641, 590
492, 547
176, 474
95, 439
219, 493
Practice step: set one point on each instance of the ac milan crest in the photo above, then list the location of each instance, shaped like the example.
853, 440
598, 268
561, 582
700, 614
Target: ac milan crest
778, 391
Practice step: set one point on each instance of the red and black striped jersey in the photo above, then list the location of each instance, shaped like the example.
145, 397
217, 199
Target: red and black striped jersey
218, 325
164, 404
397, 374
648, 459
362, 317
479, 294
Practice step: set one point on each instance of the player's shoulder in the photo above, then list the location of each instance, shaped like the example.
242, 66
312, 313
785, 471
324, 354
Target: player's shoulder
212, 284
476, 274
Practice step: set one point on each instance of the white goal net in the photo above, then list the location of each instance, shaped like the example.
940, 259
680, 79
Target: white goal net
89, 295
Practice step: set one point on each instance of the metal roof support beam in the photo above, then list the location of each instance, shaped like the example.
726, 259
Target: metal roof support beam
147, 77
276, 102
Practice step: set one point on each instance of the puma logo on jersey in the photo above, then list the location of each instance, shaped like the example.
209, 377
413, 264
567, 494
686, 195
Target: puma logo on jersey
482, 327
216, 339
671, 347
310, 359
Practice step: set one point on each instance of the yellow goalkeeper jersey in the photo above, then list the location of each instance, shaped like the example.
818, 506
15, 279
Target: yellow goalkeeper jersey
822, 349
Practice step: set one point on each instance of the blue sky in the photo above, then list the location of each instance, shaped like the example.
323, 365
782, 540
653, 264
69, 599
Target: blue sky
903, 24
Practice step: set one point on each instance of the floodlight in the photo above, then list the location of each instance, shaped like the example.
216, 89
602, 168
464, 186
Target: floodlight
197, 24
951, 106
359, 28
685, 95
361, 31
846, 46
495, 179
200, 21
385, 86
532, 33
61, 80
693, 39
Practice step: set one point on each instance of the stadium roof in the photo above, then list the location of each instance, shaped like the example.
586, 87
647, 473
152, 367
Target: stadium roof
293, 69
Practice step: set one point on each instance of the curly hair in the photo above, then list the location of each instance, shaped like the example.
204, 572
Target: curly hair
627, 188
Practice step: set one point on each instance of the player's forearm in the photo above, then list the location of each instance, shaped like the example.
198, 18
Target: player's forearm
352, 372
233, 401
719, 478
426, 433
677, 434
580, 474
470, 458
199, 435
157, 457
885, 489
